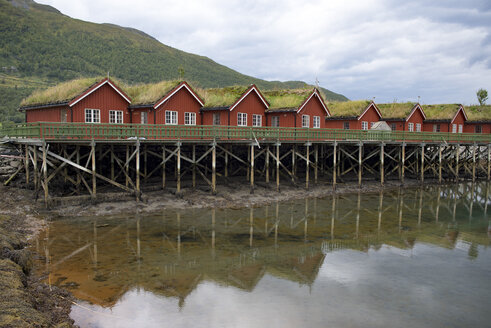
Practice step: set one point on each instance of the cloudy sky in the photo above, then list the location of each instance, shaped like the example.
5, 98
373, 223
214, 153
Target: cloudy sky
437, 50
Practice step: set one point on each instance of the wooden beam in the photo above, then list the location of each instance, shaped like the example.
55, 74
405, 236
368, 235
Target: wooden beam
307, 167
334, 166
252, 168
137, 167
278, 167
178, 173
213, 170
94, 183
360, 163
267, 164
382, 163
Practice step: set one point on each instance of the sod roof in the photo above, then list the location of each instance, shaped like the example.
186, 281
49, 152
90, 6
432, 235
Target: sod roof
478, 113
440, 112
286, 99
221, 97
149, 93
348, 108
396, 110
60, 93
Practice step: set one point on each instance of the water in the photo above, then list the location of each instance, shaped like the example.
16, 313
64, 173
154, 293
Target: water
407, 258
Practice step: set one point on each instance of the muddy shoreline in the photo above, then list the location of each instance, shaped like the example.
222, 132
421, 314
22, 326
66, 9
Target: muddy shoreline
33, 303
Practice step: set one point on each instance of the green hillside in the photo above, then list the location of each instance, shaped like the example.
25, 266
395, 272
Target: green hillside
39, 46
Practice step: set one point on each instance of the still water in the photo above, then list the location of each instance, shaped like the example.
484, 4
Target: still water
405, 258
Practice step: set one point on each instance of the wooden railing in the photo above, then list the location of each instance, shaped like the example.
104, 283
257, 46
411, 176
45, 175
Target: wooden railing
80, 131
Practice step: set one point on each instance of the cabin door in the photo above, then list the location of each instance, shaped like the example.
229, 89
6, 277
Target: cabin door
64, 116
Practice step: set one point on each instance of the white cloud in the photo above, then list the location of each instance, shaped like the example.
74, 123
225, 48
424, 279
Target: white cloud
376, 48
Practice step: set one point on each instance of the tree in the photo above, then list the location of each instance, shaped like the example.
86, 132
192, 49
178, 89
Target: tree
482, 96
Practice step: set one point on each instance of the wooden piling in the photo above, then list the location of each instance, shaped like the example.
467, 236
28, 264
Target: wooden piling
489, 162
137, 166
360, 163
307, 167
213, 170
112, 162
334, 167
267, 164
403, 161
457, 155
194, 166
473, 163
36, 174
26, 164
45, 176
163, 166
316, 159
382, 163
422, 163
127, 166
145, 161
252, 168
440, 163
226, 163
278, 167
178, 173
293, 163
94, 183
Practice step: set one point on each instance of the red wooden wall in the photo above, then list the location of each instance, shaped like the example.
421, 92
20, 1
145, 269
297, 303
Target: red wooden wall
52, 114
251, 104
182, 101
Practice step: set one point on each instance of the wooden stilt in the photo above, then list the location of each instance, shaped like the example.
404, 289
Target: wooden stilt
45, 176
137, 166
440, 163
422, 163
334, 167
473, 163
278, 167
112, 162
307, 167
26, 164
403, 161
226, 164
489, 162
213, 170
36, 174
178, 167
360, 163
145, 162
94, 182
293, 163
163, 166
382, 164
194, 166
267, 164
457, 155
316, 159
252, 168
127, 166
249, 165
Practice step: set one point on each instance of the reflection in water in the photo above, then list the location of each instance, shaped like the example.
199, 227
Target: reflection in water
346, 250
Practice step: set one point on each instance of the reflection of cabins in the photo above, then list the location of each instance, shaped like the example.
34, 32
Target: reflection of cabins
403, 116
353, 115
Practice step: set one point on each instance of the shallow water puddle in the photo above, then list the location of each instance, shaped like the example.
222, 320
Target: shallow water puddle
413, 257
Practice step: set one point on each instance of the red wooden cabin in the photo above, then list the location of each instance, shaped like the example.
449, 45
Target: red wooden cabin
444, 118
478, 119
353, 115
166, 102
403, 116
296, 108
234, 106
81, 101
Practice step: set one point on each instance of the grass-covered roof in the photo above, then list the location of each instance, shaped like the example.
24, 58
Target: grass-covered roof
347, 108
220, 97
478, 113
60, 93
149, 93
440, 112
282, 99
396, 110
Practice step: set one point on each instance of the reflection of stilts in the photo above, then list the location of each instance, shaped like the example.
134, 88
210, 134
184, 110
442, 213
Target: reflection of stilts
471, 205
276, 225
437, 211
401, 204
251, 225
420, 207
358, 214
178, 215
380, 204
333, 215
213, 231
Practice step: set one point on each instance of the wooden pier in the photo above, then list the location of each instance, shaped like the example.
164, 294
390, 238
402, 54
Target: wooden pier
88, 157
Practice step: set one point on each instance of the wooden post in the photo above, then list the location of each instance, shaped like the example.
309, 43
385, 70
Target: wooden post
249, 165
267, 164
278, 167
127, 165
360, 163
94, 183
36, 176
307, 167
440, 163
213, 169
137, 157
45, 175
382, 163
316, 158
194, 166
457, 155
252, 168
422, 163
293, 163
474, 163
26, 164
163, 166
226, 163
334, 167
77, 160
112, 162
403, 160
489, 162
178, 167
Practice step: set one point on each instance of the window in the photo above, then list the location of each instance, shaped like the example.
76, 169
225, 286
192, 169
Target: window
257, 120
418, 127
346, 125
478, 129
92, 116
242, 119
275, 121
410, 127
190, 118
364, 125
393, 126
305, 121
436, 127
144, 117
371, 124
64, 116
317, 122
460, 128
116, 116
170, 117
216, 118
454, 128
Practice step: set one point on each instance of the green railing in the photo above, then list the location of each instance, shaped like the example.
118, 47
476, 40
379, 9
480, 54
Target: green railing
80, 131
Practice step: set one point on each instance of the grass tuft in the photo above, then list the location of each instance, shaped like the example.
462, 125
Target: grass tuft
149, 93
441, 111
217, 97
291, 98
347, 108
396, 110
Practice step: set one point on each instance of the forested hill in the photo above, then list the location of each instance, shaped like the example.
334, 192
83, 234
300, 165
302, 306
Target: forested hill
39, 46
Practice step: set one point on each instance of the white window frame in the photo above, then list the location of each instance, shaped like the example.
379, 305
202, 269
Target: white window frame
171, 117
241, 119
364, 125
454, 128
316, 122
436, 128
116, 116
144, 117
94, 116
216, 119
418, 127
346, 126
275, 121
305, 121
257, 120
461, 128
189, 118
410, 127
